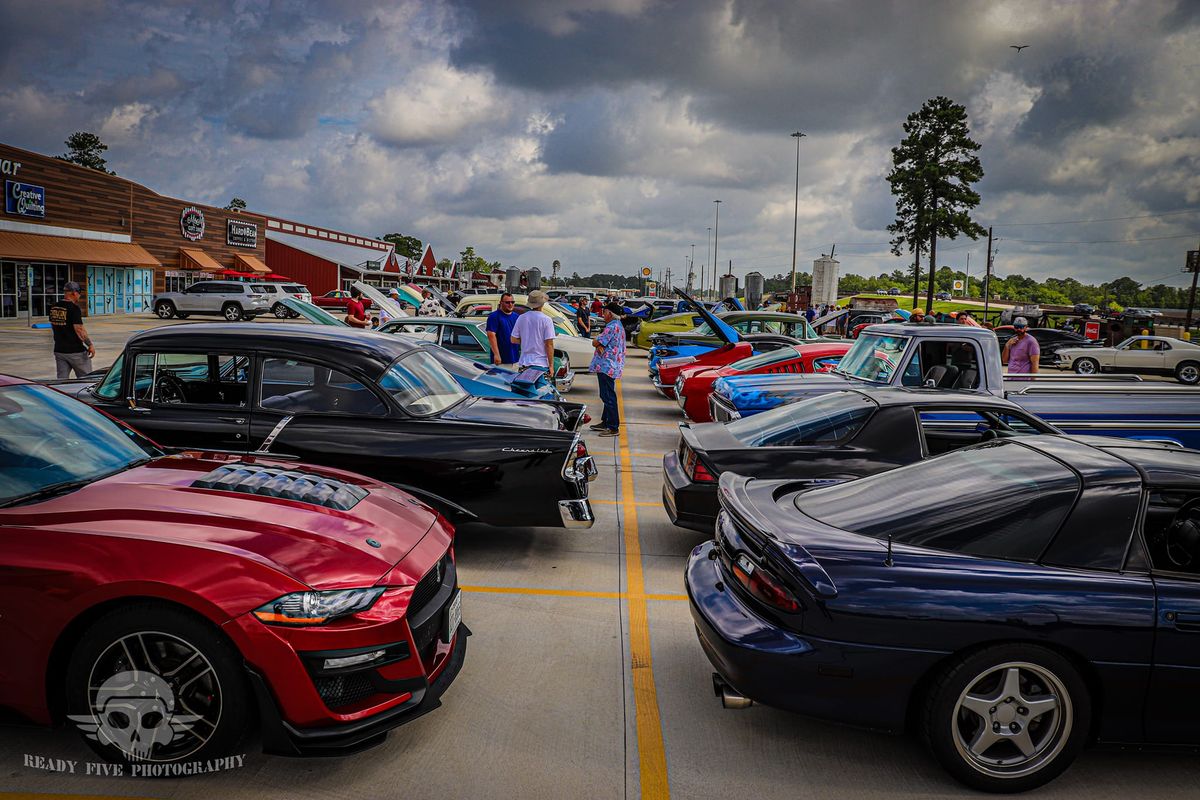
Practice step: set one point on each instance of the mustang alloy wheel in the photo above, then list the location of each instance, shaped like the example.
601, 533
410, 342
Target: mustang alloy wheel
152, 684
1086, 366
1008, 718
1188, 372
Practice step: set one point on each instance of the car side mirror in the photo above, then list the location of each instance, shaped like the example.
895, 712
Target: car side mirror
135, 408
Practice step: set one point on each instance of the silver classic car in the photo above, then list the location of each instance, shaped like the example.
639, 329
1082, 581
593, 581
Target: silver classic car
1160, 355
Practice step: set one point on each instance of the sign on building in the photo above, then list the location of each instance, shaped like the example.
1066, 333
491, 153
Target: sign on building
191, 223
24, 199
241, 234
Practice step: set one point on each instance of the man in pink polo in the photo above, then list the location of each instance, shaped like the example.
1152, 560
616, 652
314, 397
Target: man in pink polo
1021, 352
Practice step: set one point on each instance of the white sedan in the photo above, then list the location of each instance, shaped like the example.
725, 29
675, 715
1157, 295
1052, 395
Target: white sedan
1160, 355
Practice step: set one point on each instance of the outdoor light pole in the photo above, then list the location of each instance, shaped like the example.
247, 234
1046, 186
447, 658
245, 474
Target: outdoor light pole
706, 263
796, 213
716, 241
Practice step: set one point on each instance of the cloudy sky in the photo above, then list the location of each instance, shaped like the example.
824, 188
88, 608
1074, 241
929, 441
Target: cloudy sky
598, 132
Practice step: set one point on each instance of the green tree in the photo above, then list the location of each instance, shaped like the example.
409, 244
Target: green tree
236, 204
469, 261
445, 265
934, 167
86, 150
406, 246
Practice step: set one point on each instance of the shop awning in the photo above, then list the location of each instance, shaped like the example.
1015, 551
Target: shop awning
36, 247
250, 264
193, 258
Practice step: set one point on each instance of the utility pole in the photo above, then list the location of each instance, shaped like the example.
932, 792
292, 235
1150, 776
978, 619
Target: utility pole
1193, 266
796, 208
708, 261
967, 279
691, 270
987, 276
716, 241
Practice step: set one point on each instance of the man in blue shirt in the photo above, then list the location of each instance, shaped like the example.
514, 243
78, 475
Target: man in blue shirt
608, 363
499, 332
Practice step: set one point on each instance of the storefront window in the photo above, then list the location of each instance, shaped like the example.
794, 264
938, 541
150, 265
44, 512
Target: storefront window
17, 294
178, 280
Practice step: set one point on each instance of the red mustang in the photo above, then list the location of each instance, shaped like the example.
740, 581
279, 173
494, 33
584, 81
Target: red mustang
695, 382
164, 603
338, 299
669, 368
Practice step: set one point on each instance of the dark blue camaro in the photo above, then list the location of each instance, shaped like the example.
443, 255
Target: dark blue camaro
1013, 601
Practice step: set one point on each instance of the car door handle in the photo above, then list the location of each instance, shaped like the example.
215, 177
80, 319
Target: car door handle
234, 420
1188, 623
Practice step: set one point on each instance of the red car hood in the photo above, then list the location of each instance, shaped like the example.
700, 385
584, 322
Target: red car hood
319, 546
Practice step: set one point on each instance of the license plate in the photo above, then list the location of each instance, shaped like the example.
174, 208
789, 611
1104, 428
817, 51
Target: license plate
453, 616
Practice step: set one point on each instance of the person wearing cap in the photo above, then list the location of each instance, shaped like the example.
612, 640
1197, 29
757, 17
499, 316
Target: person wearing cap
608, 363
1021, 352
917, 317
73, 348
385, 316
534, 333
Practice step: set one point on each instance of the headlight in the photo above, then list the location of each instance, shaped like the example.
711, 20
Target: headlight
315, 608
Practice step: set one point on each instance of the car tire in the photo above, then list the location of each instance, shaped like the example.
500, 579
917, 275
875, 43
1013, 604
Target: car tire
1008, 718
113, 685
1085, 366
1188, 372
281, 311
232, 312
164, 309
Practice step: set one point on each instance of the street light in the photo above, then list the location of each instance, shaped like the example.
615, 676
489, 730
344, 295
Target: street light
707, 262
716, 241
796, 213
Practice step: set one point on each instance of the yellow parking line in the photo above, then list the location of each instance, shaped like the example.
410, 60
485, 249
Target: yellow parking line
568, 593
639, 504
652, 757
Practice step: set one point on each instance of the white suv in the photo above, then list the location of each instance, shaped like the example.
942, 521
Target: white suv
229, 299
276, 291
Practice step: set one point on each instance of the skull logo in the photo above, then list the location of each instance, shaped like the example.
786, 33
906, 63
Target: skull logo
135, 712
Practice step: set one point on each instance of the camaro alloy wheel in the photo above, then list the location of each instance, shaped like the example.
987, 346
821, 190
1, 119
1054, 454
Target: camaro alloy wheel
151, 684
1009, 718
1086, 366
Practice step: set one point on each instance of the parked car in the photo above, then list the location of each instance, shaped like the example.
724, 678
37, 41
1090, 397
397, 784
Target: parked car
1032, 595
338, 299
1085, 308
829, 439
232, 300
943, 296
567, 339
680, 322
203, 594
1051, 342
1151, 355
695, 383
357, 400
275, 293
893, 292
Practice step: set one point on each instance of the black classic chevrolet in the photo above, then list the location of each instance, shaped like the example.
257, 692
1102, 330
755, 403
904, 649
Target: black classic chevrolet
355, 400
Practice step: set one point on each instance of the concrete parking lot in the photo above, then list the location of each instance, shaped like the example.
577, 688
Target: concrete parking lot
583, 678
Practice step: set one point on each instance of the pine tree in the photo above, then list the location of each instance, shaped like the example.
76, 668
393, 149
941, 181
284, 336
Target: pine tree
86, 150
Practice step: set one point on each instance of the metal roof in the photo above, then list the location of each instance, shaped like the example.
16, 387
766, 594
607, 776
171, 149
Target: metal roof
346, 255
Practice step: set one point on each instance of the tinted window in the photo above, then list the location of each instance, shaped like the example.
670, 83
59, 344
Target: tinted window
997, 500
191, 378
295, 288
421, 385
822, 420
301, 387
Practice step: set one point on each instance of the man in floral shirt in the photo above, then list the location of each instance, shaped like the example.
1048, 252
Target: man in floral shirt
608, 363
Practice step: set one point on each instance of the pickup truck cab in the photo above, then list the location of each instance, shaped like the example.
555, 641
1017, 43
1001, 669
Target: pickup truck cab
961, 357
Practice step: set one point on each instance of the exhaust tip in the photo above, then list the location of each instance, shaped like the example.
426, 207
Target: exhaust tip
730, 698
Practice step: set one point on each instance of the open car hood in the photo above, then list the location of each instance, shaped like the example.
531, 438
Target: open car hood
312, 313
381, 300
723, 332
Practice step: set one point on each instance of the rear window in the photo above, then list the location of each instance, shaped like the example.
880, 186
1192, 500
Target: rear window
822, 420
421, 385
997, 500
262, 290
295, 288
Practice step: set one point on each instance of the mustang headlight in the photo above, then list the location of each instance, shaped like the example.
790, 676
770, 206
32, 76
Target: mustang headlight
315, 608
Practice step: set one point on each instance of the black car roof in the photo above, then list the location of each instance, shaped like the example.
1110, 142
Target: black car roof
1159, 465
364, 351
904, 396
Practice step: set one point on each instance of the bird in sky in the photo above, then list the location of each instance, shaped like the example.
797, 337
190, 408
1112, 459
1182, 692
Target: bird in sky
1018, 47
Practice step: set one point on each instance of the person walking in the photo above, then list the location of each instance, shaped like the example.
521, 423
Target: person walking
73, 348
608, 363
534, 332
500, 325
1021, 352
356, 314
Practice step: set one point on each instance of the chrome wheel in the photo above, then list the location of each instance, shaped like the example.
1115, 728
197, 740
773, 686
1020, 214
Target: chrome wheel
164, 310
154, 696
1087, 366
1188, 373
1012, 720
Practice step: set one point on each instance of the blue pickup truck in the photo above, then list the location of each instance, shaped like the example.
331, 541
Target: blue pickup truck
966, 358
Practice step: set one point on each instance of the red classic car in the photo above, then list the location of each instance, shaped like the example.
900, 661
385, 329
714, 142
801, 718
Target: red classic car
338, 299
164, 604
695, 382
669, 368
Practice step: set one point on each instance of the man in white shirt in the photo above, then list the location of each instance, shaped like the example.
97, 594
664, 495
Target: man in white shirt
534, 332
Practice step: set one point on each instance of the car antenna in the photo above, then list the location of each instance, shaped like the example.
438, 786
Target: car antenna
887, 562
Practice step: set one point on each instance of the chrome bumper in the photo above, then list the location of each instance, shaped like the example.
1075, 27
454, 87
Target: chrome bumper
576, 513
721, 412
563, 385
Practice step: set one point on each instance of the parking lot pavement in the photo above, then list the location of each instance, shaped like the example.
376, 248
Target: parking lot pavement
584, 680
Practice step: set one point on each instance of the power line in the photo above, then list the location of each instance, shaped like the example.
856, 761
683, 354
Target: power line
1103, 219
1105, 241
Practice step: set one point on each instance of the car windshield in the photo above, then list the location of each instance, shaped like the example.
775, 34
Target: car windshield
764, 359
999, 500
50, 441
821, 420
873, 357
421, 385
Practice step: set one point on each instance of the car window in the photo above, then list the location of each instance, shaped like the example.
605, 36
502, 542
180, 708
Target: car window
873, 357
459, 339
760, 360
949, 428
999, 500
191, 378
258, 290
302, 387
421, 385
407, 328
826, 363
110, 387
827, 419
948, 364
1172, 531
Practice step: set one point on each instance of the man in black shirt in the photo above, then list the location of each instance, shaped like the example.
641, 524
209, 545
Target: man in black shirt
73, 349
583, 318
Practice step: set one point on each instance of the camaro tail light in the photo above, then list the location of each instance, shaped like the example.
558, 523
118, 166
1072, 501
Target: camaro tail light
694, 468
763, 585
